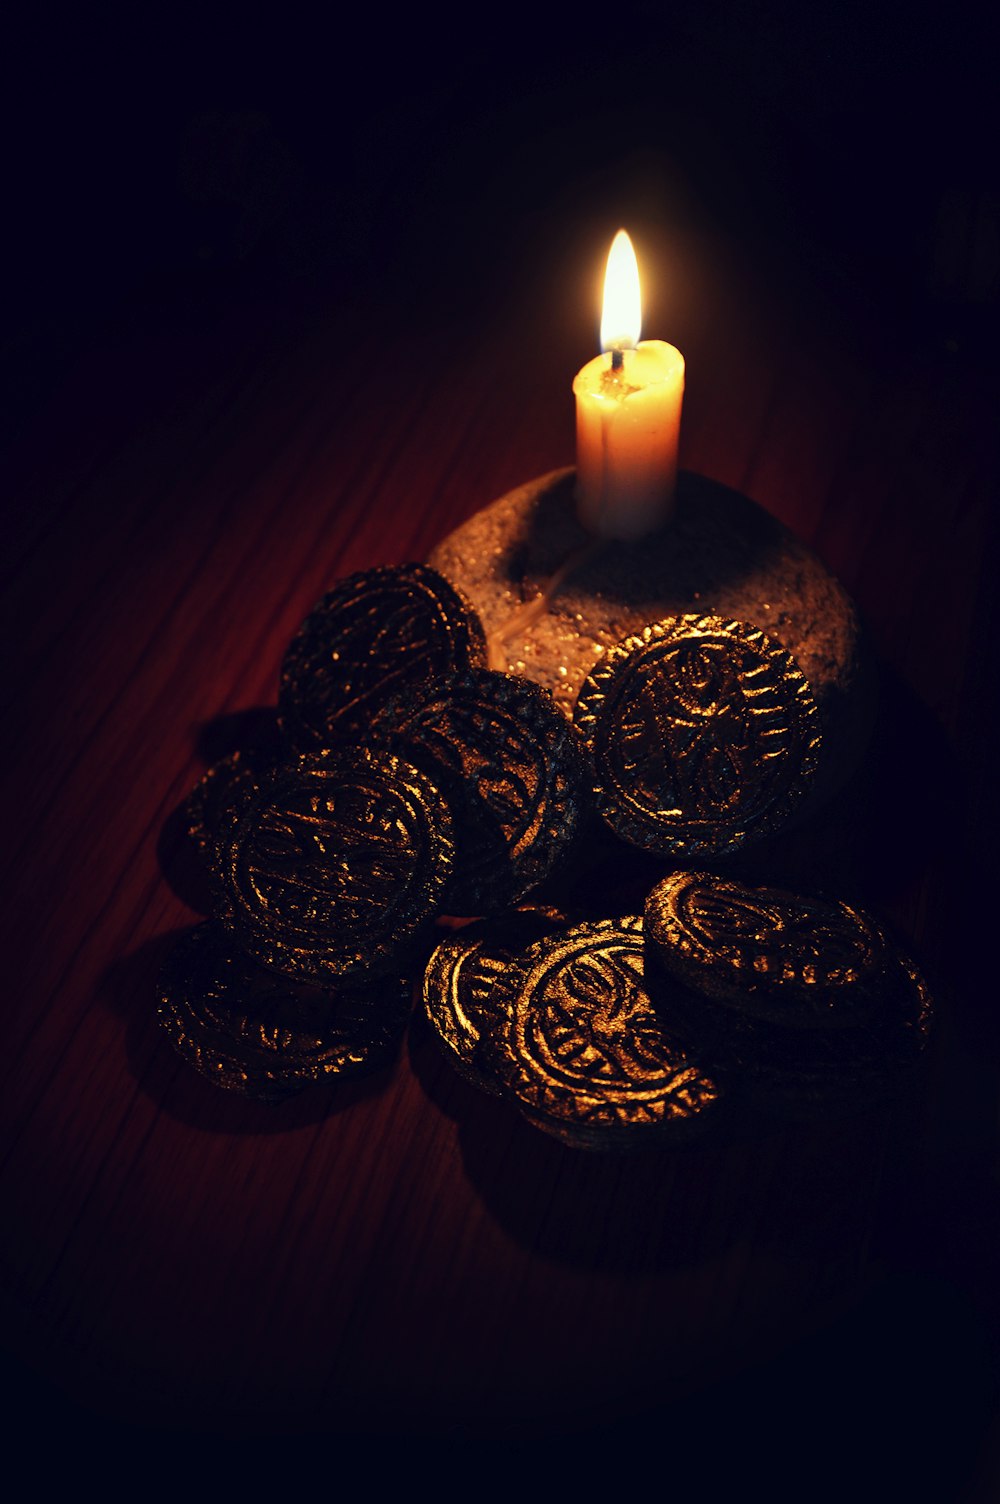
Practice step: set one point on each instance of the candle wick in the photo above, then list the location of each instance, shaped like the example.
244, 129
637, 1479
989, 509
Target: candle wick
618, 360
525, 616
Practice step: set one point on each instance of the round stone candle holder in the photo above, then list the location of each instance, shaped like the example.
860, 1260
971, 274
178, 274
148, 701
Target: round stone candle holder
552, 601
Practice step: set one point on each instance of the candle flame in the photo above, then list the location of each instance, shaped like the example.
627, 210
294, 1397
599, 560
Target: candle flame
621, 317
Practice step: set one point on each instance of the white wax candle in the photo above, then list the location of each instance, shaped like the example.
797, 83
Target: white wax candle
628, 415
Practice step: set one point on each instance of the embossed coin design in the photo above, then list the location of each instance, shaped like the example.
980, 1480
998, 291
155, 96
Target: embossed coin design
336, 863
217, 797
513, 771
379, 633
582, 1049
803, 999
459, 979
249, 1030
796, 959
703, 734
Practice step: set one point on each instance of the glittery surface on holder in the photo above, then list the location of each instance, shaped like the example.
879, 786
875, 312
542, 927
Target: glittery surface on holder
267, 1036
721, 554
378, 633
581, 1048
335, 864
703, 735
459, 979
513, 771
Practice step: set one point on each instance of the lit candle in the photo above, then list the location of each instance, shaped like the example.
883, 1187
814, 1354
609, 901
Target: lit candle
628, 414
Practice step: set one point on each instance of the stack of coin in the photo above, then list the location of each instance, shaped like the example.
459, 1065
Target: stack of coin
801, 998
327, 868
409, 782
217, 796
378, 634
557, 1018
253, 1030
458, 988
512, 769
621, 1033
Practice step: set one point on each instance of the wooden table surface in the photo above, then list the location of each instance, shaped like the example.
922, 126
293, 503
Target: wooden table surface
401, 1256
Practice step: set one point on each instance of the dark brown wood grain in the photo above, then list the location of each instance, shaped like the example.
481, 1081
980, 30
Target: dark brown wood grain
401, 1255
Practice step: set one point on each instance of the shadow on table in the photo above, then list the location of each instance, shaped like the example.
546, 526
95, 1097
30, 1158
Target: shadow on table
805, 1191
877, 836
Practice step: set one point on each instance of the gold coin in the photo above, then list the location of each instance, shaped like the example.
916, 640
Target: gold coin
459, 979
581, 1048
217, 797
335, 864
267, 1036
378, 633
801, 998
795, 959
703, 733
514, 774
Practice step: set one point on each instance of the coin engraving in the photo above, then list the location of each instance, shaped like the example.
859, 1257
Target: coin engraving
802, 996
513, 771
802, 953
266, 1036
460, 977
220, 790
582, 1042
702, 732
336, 863
378, 633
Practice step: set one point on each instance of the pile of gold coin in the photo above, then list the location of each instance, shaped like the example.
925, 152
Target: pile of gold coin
410, 782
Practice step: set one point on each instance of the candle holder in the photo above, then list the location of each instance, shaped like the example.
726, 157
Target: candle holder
552, 600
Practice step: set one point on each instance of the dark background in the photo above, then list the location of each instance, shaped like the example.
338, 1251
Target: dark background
169, 170
161, 163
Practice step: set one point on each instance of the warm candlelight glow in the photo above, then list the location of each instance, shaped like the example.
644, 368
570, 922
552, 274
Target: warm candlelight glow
628, 415
621, 315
